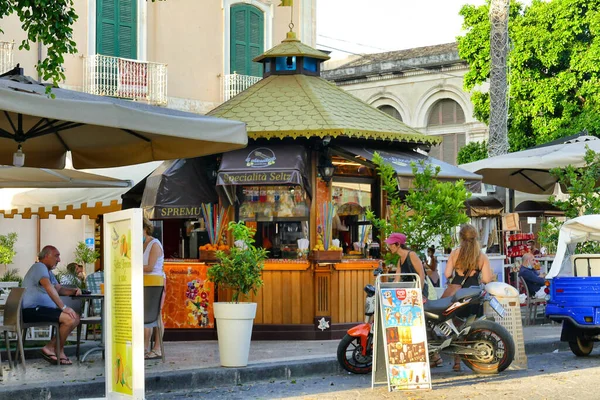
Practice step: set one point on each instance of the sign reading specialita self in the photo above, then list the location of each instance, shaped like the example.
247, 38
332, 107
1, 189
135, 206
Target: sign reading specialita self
257, 177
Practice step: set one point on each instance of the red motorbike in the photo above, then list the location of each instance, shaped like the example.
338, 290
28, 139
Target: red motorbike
455, 325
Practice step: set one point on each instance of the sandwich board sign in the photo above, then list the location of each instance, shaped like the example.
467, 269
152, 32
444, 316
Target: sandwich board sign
400, 356
123, 300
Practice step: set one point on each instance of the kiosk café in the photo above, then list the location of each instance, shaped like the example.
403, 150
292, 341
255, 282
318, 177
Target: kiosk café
311, 148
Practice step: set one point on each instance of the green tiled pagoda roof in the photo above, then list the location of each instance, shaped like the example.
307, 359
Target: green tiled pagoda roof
292, 47
295, 106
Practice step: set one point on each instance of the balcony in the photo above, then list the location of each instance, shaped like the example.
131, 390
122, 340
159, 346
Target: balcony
126, 79
234, 84
6, 56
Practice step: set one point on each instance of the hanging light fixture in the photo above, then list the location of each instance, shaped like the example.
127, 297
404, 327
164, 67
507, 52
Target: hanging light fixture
325, 168
19, 157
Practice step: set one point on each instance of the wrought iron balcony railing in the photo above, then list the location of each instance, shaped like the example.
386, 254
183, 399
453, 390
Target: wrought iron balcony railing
6, 56
127, 79
234, 84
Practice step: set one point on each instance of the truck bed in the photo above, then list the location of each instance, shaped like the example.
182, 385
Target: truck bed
576, 299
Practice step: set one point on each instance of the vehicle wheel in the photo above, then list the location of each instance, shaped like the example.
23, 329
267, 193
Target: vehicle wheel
350, 357
581, 347
496, 348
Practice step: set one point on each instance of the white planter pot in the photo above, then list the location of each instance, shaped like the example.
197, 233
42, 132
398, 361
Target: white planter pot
234, 329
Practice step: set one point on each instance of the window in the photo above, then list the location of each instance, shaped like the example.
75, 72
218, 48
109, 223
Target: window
446, 112
247, 39
390, 111
448, 150
116, 28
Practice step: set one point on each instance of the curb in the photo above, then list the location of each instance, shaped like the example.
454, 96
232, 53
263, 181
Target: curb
199, 378
545, 346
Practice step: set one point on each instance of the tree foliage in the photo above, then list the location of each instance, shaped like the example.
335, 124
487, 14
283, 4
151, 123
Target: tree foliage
49, 22
431, 208
554, 68
474, 151
7, 248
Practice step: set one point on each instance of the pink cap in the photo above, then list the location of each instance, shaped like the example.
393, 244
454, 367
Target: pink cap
396, 238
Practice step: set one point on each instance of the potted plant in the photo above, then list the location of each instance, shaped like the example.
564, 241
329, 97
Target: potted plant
239, 270
7, 249
86, 256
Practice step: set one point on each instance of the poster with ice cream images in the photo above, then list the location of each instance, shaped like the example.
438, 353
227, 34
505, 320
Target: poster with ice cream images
405, 339
123, 293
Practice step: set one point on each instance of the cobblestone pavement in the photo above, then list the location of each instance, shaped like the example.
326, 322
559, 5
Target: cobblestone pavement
558, 375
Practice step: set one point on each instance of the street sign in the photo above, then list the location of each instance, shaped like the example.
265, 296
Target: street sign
400, 356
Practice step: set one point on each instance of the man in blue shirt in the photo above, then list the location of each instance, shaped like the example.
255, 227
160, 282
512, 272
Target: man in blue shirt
532, 278
42, 302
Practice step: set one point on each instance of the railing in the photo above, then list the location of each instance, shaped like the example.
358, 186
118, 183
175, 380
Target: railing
234, 84
127, 79
6, 56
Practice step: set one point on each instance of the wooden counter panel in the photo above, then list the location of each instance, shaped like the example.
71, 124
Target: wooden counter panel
357, 265
348, 297
286, 297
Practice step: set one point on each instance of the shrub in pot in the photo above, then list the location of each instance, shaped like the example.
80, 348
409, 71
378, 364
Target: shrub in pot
239, 270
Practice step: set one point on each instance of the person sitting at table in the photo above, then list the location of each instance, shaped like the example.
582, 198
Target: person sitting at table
42, 302
532, 277
153, 265
74, 277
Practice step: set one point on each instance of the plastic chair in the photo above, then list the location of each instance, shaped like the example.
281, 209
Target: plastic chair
153, 290
12, 323
531, 303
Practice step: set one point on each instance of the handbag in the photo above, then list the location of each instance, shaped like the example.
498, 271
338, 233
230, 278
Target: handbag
428, 291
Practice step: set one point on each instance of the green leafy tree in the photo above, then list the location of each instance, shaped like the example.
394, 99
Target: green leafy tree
240, 269
49, 22
472, 152
430, 209
7, 249
85, 255
548, 234
554, 73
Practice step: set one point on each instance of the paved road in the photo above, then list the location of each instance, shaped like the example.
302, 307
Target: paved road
550, 376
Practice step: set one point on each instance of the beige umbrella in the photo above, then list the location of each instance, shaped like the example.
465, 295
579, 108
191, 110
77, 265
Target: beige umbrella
24, 177
102, 132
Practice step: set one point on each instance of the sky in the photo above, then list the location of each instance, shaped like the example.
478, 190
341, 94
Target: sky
373, 26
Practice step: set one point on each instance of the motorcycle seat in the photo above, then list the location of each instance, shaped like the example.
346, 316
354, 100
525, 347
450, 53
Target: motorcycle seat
437, 306
466, 293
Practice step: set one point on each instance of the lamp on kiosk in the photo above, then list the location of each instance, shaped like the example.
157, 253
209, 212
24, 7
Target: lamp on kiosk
19, 157
325, 168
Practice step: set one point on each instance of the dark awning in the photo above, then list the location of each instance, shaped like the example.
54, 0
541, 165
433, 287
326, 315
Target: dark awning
265, 165
484, 206
401, 160
176, 189
535, 208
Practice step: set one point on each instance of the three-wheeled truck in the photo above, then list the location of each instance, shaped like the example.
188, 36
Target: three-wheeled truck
573, 285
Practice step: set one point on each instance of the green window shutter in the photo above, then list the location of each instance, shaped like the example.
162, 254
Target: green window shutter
246, 39
116, 28
128, 29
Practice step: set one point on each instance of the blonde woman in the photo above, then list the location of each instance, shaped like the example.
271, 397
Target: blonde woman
153, 265
467, 266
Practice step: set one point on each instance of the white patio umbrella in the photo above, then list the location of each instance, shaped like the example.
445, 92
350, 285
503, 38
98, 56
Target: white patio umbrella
102, 132
24, 177
529, 170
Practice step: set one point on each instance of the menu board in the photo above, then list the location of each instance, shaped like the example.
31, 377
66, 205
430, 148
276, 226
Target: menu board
266, 202
404, 338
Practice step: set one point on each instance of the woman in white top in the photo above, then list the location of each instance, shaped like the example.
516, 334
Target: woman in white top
154, 258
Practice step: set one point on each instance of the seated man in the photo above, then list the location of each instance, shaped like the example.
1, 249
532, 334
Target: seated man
42, 302
532, 277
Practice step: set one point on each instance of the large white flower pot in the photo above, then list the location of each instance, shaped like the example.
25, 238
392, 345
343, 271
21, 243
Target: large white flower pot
234, 329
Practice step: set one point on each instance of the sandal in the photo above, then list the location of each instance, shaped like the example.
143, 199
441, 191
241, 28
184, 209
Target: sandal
456, 367
436, 361
151, 355
65, 361
51, 358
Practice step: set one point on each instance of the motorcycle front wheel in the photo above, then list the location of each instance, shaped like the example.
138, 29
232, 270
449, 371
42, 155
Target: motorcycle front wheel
494, 345
350, 357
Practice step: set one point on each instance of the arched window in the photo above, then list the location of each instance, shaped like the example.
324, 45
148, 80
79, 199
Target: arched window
247, 39
389, 110
446, 112
443, 113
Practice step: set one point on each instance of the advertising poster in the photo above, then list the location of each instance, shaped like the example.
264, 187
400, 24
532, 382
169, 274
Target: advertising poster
123, 293
404, 339
189, 297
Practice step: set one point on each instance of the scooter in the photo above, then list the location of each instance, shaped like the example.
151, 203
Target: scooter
455, 325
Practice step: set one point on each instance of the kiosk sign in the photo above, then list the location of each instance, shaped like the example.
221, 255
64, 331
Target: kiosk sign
400, 343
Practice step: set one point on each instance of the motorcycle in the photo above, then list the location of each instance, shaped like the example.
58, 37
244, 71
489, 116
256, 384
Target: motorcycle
455, 325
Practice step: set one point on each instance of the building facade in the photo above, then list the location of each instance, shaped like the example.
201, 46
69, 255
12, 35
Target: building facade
184, 54
423, 87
